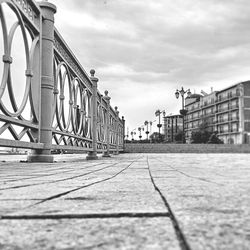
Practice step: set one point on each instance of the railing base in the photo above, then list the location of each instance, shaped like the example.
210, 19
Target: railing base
92, 156
106, 155
40, 158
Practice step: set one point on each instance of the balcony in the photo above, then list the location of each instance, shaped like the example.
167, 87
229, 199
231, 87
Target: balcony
226, 120
221, 121
227, 108
207, 104
234, 107
228, 131
222, 110
192, 118
193, 110
234, 130
222, 131
228, 97
234, 118
208, 114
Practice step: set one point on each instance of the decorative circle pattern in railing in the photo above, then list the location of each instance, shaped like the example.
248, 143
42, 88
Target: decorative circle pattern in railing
72, 106
29, 53
19, 85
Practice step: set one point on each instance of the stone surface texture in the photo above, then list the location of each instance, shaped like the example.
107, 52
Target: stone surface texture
186, 148
128, 201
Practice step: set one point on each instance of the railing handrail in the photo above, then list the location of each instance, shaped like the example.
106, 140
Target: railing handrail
83, 75
90, 124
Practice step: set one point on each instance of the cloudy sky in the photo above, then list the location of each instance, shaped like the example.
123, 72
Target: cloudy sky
142, 50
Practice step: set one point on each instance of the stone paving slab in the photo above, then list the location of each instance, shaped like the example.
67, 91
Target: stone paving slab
210, 198
115, 194
128, 233
206, 195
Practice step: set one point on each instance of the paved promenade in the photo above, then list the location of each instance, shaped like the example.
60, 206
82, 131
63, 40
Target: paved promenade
129, 201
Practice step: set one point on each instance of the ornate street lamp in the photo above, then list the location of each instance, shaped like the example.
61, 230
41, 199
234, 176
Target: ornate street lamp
147, 132
158, 113
132, 135
140, 129
150, 130
127, 135
159, 125
183, 111
164, 114
150, 125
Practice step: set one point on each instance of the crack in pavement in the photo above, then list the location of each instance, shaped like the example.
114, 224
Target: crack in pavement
47, 170
190, 176
180, 235
65, 179
85, 216
81, 187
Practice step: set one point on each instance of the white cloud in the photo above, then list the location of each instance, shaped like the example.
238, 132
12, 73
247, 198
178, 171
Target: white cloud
143, 50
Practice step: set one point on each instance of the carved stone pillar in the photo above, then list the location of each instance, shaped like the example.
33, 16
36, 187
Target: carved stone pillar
47, 84
107, 98
92, 155
116, 152
123, 133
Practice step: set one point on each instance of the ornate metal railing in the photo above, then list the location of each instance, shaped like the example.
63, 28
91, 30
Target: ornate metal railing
61, 108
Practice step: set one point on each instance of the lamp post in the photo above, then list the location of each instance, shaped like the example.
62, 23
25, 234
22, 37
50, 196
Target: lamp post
150, 125
132, 135
183, 111
158, 113
163, 117
127, 135
159, 125
147, 132
150, 130
140, 129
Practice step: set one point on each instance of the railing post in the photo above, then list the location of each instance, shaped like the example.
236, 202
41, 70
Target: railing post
92, 155
107, 98
123, 133
47, 84
116, 152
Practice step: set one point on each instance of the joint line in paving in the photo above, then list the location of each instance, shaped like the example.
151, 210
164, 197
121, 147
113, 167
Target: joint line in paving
84, 186
46, 175
86, 216
65, 179
190, 176
180, 236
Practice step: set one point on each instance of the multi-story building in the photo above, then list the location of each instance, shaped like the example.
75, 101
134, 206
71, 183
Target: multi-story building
226, 112
172, 125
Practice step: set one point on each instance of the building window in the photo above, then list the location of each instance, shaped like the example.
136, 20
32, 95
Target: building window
221, 130
229, 94
219, 108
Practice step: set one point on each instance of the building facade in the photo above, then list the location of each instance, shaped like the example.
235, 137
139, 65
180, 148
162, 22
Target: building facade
172, 125
226, 112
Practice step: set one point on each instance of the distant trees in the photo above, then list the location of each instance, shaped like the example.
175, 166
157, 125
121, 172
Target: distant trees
204, 134
214, 139
178, 136
156, 137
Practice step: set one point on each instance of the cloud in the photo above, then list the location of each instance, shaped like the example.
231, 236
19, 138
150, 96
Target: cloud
143, 50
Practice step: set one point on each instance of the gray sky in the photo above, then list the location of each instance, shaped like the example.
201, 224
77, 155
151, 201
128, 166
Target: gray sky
142, 50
